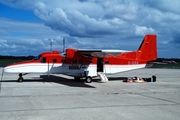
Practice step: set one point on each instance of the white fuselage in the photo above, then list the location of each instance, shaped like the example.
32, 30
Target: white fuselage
68, 69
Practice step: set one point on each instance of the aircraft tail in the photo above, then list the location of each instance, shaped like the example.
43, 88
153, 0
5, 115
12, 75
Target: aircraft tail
148, 48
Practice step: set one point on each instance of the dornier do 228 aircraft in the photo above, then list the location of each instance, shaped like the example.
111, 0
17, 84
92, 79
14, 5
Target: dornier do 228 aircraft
86, 63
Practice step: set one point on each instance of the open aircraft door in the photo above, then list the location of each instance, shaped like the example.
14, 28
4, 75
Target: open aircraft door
100, 64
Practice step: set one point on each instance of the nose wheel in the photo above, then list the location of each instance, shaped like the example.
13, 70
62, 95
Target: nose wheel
20, 79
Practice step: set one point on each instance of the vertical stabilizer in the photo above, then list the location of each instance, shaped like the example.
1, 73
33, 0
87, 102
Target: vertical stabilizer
148, 48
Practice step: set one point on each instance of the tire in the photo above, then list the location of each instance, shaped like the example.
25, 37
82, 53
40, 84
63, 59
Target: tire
88, 79
20, 79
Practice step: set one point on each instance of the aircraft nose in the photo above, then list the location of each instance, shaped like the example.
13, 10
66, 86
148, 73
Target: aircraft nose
8, 70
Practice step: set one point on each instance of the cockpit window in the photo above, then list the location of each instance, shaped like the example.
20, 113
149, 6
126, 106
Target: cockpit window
37, 57
43, 60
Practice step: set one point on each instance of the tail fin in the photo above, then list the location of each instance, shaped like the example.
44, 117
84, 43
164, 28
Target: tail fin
148, 48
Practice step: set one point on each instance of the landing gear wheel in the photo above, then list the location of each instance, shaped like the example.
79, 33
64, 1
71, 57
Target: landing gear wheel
20, 79
88, 79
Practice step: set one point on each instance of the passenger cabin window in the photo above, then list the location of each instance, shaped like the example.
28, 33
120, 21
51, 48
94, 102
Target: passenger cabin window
62, 60
54, 60
75, 61
107, 62
43, 60
80, 61
90, 61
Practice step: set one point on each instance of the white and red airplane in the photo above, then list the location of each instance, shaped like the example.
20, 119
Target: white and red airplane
84, 63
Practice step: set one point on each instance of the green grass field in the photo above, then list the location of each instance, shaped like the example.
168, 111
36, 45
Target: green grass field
10, 61
171, 66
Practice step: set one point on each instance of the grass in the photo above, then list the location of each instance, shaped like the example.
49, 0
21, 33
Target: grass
170, 65
10, 61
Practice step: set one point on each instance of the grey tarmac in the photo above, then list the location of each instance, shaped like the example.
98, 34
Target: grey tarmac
60, 97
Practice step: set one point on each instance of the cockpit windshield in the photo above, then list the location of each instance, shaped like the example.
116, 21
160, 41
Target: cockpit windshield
37, 57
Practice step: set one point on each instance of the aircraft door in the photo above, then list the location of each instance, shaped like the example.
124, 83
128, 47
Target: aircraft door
100, 64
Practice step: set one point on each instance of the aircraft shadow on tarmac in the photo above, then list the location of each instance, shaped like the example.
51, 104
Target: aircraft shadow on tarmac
65, 81
116, 78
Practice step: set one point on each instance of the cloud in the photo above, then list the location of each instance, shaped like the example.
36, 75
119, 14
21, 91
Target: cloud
73, 22
3, 43
164, 5
142, 30
176, 38
25, 38
98, 23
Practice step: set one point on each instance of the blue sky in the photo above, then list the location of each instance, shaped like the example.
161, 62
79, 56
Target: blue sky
28, 26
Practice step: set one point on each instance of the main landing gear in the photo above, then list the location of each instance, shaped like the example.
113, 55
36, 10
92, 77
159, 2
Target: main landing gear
20, 79
88, 79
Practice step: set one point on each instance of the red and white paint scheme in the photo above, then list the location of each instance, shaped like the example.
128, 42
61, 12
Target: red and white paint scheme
86, 63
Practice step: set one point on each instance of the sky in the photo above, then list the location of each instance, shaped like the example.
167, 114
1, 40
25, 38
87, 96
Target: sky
27, 27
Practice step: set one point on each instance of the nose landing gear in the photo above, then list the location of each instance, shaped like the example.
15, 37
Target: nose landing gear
20, 79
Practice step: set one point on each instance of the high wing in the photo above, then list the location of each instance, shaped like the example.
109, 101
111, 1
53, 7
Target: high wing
100, 53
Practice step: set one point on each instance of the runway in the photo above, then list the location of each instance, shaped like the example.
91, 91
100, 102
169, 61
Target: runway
59, 97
